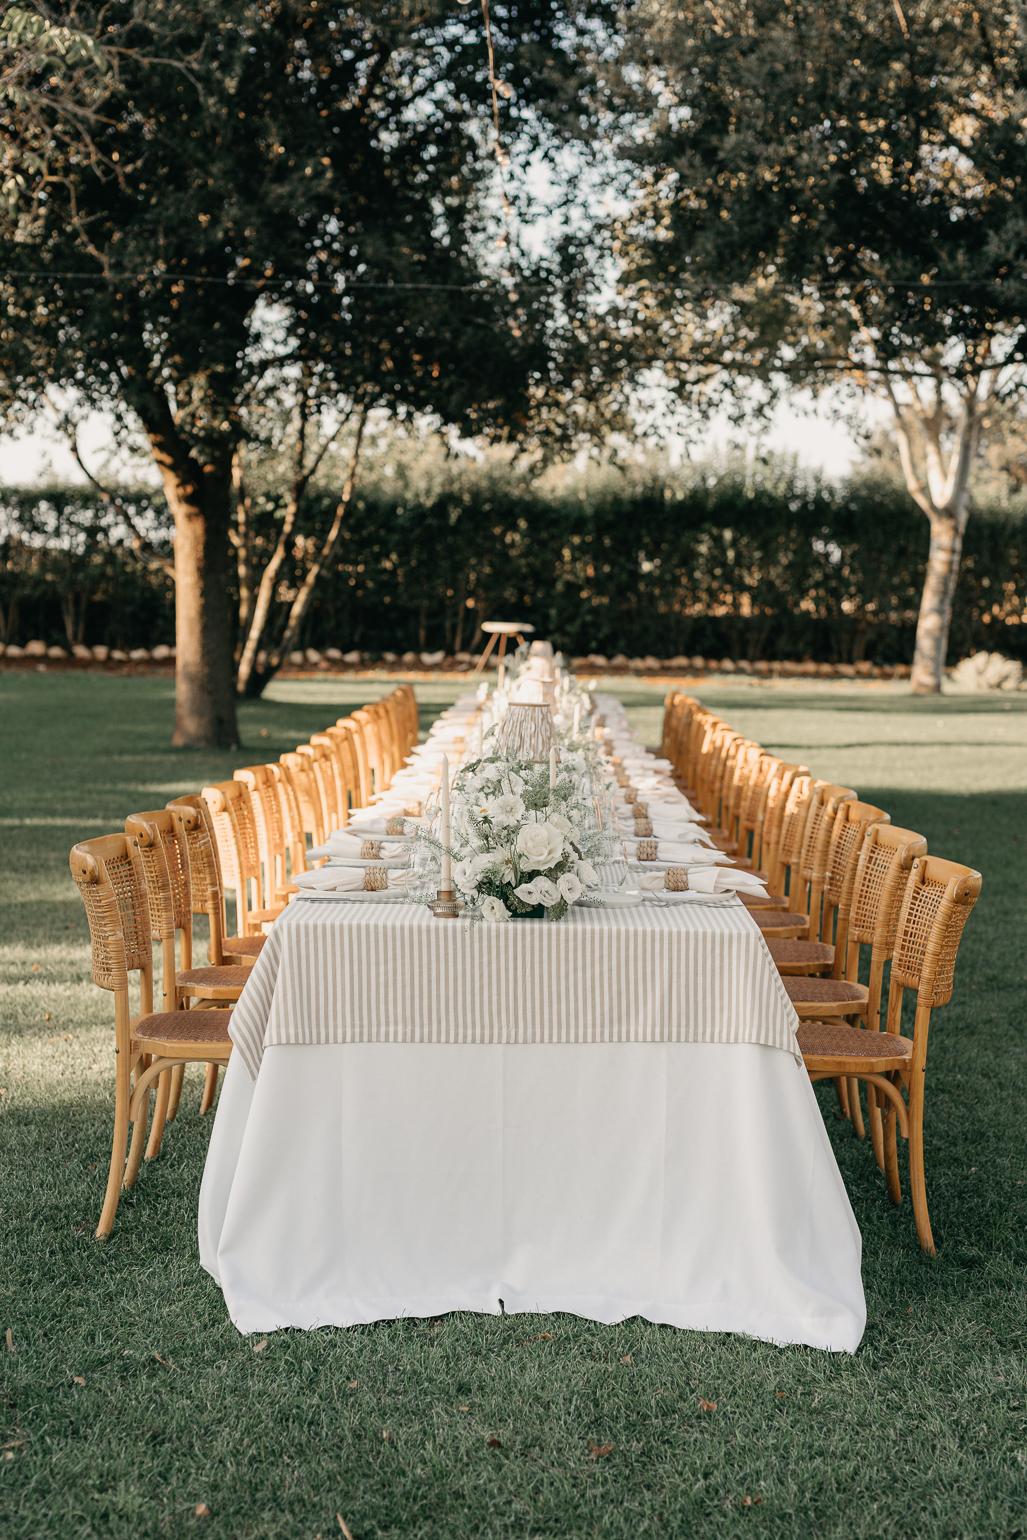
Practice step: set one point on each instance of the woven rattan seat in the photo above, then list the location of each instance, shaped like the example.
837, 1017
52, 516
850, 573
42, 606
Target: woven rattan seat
824, 991
243, 946
183, 1027
765, 901
800, 957
230, 977
780, 923
820, 1039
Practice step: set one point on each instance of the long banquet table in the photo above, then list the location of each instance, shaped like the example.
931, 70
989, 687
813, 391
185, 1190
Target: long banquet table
605, 1116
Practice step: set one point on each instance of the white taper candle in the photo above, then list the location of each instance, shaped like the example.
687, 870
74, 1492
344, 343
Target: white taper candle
577, 717
447, 865
552, 767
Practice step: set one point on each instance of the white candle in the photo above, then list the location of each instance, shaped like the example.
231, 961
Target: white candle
447, 866
479, 735
577, 717
552, 767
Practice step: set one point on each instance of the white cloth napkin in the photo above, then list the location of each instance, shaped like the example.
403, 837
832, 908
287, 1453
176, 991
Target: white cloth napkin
681, 854
707, 879
373, 828
665, 829
349, 879
342, 843
673, 809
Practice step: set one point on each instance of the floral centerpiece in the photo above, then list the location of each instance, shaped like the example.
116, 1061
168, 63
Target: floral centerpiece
522, 847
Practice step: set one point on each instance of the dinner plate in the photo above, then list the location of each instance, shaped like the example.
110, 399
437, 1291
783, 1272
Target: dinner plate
690, 896
612, 898
378, 896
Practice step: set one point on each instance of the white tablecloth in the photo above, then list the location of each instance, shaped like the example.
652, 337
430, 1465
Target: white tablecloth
688, 1183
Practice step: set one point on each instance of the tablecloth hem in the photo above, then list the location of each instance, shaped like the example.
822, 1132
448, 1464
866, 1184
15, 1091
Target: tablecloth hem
832, 1333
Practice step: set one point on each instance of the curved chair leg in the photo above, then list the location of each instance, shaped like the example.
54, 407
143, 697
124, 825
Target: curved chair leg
177, 1078
855, 1107
917, 1184
210, 1086
891, 1156
135, 1149
841, 1085
160, 1113
876, 1127
117, 1171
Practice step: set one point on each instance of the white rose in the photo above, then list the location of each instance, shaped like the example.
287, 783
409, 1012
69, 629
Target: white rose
464, 874
515, 783
539, 845
505, 809
558, 821
494, 910
548, 892
528, 893
484, 862
587, 874
569, 886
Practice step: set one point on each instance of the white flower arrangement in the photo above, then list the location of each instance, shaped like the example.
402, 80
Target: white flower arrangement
519, 846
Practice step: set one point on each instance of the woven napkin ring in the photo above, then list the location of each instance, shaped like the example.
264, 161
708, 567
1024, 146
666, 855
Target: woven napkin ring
643, 827
370, 850
395, 826
413, 810
641, 808
675, 879
631, 795
646, 850
375, 877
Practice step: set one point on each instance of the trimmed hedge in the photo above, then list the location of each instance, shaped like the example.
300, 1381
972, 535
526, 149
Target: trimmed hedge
740, 560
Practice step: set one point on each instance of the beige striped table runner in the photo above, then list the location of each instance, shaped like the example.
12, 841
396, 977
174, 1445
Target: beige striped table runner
359, 973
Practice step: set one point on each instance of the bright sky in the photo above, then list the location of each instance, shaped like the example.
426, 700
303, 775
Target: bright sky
820, 443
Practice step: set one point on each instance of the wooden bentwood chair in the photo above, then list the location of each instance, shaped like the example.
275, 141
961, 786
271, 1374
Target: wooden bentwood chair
148, 1047
938, 898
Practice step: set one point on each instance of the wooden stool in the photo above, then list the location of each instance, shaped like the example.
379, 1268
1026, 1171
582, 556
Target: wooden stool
501, 629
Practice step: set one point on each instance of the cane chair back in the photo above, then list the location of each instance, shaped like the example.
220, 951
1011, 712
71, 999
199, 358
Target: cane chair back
785, 875
160, 852
673, 713
816, 845
372, 747
235, 833
150, 1047
345, 748
851, 822
936, 904
335, 741
270, 824
744, 769
356, 732
771, 817
206, 895
753, 807
308, 795
321, 760
389, 733
280, 777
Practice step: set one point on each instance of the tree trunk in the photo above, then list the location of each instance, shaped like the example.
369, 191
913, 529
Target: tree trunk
201, 498
204, 693
254, 680
943, 494
242, 539
932, 629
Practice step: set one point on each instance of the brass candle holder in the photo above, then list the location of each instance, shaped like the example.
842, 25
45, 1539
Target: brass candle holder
445, 905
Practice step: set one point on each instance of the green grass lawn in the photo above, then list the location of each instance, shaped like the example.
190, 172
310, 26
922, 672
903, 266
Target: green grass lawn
129, 1397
